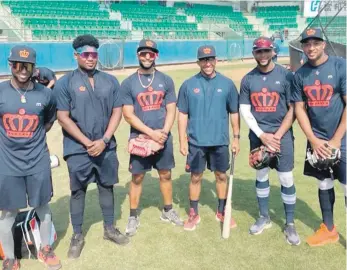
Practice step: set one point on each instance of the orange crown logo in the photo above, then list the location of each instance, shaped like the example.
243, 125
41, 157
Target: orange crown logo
20, 125
24, 54
206, 50
310, 32
150, 100
149, 43
319, 95
82, 88
265, 101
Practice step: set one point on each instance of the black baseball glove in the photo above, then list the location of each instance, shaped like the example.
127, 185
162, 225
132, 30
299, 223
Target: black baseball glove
261, 157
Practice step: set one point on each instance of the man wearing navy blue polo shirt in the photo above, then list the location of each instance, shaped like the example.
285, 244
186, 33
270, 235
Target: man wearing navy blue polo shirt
205, 102
89, 110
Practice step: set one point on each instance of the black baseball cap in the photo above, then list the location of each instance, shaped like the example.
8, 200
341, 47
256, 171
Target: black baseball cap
206, 51
262, 43
314, 33
148, 44
22, 53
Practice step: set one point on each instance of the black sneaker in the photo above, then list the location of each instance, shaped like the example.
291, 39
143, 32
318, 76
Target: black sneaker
11, 264
113, 234
76, 246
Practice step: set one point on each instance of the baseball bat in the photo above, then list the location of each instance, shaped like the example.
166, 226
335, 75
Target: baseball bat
227, 212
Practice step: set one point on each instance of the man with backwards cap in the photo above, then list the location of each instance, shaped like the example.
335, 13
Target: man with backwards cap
89, 111
27, 111
149, 106
265, 106
320, 105
205, 102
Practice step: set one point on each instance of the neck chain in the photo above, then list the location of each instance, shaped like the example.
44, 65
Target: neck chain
150, 83
22, 96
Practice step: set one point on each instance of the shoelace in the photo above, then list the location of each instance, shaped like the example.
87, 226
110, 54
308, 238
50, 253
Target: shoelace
173, 215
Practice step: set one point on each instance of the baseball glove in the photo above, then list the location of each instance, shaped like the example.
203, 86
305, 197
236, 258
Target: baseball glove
323, 164
261, 157
143, 146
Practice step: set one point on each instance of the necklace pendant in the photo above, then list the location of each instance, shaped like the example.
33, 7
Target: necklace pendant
23, 99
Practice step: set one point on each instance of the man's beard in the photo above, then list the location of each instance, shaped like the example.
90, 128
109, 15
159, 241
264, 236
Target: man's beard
266, 65
90, 72
146, 68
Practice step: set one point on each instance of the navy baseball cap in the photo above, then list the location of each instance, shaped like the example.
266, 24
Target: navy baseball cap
206, 51
315, 33
22, 53
148, 44
262, 43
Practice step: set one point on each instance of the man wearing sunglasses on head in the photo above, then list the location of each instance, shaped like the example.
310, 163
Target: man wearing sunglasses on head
320, 106
265, 106
206, 101
149, 106
27, 112
89, 110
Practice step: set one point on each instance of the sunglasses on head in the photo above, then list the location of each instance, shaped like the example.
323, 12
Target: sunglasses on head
86, 55
263, 51
18, 66
151, 55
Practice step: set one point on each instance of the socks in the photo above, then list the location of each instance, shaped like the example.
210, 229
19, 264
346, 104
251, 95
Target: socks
77, 202
289, 199
194, 205
263, 192
7, 219
168, 207
221, 205
45, 216
133, 212
326, 201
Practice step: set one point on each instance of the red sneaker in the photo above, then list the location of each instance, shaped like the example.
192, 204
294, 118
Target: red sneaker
47, 256
193, 220
220, 218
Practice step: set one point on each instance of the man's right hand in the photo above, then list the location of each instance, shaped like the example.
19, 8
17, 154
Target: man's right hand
320, 148
159, 136
271, 141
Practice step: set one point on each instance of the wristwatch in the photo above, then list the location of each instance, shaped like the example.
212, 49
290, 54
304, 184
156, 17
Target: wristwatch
236, 136
106, 140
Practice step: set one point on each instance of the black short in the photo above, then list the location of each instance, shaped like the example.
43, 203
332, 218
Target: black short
215, 157
84, 169
163, 160
18, 192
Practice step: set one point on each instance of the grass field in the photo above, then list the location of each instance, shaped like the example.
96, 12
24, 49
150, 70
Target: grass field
161, 246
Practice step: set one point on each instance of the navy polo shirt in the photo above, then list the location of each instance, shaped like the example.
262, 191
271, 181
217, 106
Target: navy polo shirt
208, 103
89, 108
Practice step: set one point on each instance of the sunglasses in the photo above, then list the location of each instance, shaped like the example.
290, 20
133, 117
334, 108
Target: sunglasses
150, 55
263, 51
86, 55
18, 66
207, 60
